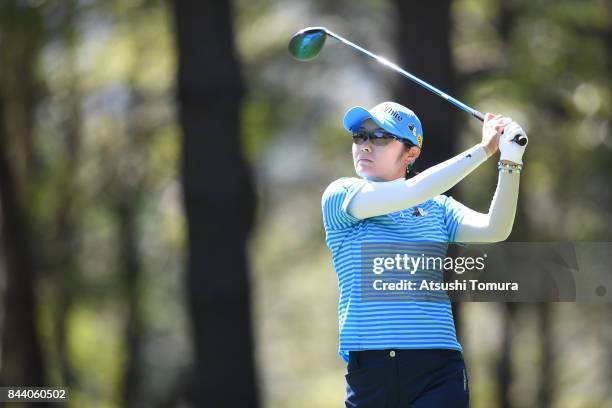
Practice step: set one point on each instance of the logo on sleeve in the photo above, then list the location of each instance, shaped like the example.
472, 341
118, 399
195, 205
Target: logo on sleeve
419, 212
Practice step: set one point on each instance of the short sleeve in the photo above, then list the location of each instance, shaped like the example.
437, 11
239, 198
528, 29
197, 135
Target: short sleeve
454, 212
335, 201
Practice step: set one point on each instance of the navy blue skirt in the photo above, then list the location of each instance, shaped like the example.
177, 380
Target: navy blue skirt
406, 378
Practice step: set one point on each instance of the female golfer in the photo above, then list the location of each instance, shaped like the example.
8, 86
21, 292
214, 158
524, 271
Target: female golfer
405, 353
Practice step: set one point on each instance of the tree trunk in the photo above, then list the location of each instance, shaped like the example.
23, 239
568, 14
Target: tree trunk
66, 270
545, 388
22, 362
131, 271
504, 364
426, 53
20, 35
429, 57
219, 203
128, 199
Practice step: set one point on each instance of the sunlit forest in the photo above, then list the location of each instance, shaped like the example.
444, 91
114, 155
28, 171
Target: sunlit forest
161, 171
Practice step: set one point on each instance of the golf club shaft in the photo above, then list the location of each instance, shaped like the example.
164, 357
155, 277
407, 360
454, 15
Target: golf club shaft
408, 75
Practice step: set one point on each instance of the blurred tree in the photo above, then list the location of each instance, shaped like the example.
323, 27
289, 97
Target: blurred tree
429, 57
544, 65
219, 203
20, 41
545, 386
66, 237
506, 21
504, 361
127, 196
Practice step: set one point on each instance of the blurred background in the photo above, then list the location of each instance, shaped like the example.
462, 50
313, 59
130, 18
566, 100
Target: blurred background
161, 170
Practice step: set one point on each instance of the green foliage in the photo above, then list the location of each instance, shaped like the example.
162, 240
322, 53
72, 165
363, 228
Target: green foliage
258, 125
105, 73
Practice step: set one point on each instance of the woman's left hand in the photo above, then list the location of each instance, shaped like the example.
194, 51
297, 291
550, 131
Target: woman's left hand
511, 151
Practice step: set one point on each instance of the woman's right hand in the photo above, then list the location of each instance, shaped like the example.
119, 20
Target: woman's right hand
492, 129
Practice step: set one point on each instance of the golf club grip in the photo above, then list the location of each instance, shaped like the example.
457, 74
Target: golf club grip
520, 140
478, 115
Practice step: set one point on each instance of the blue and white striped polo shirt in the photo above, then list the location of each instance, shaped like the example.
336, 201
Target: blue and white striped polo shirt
370, 325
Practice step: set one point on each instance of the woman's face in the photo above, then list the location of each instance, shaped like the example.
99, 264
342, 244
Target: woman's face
382, 163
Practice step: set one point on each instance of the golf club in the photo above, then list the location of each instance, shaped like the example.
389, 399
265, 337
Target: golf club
306, 44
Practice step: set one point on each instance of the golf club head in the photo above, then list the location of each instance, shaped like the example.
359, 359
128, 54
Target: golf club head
307, 43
